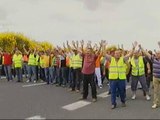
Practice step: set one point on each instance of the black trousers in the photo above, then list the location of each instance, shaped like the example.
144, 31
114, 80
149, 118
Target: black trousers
76, 79
89, 79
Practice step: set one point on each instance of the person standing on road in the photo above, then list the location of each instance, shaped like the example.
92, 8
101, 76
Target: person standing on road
88, 71
98, 69
1, 59
117, 75
7, 62
76, 68
25, 65
138, 74
156, 75
17, 62
31, 64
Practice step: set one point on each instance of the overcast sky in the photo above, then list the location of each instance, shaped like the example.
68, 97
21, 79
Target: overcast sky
117, 21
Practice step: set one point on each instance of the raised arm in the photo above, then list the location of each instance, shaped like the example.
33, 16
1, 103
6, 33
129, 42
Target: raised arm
104, 53
131, 52
145, 52
27, 52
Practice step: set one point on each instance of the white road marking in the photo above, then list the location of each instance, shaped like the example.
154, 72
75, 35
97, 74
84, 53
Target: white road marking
76, 105
80, 104
37, 117
37, 84
105, 94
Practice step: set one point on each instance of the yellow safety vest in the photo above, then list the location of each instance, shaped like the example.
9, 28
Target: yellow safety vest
37, 58
76, 61
117, 70
140, 69
41, 62
17, 59
32, 60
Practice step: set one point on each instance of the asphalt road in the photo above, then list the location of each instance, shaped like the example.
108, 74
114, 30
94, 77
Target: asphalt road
18, 101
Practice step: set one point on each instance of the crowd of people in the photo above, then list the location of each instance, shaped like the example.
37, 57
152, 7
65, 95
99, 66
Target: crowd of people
77, 65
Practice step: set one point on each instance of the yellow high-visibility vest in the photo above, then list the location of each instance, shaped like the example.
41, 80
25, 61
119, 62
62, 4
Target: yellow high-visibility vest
76, 61
117, 70
17, 60
41, 62
140, 69
37, 58
32, 60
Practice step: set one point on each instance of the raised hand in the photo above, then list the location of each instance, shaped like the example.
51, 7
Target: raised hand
140, 46
82, 42
73, 43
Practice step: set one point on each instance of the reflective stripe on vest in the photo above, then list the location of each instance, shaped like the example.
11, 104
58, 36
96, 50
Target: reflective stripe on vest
76, 61
32, 60
117, 70
140, 69
17, 59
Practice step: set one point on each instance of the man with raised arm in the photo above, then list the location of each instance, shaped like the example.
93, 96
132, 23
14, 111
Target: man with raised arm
117, 74
156, 75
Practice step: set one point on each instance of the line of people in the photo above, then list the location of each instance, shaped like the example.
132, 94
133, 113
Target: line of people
78, 64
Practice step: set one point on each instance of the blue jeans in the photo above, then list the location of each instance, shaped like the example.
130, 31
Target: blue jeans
119, 85
64, 75
31, 71
7, 69
46, 71
70, 77
19, 74
25, 69
42, 75
55, 76
51, 77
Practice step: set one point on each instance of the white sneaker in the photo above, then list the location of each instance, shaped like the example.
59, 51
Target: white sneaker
28, 81
34, 81
147, 97
154, 106
100, 86
134, 97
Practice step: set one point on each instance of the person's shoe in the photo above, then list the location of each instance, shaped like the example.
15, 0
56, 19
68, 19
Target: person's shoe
34, 81
154, 106
100, 87
77, 91
123, 105
148, 97
113, 106
94, 100
134, 97
63, 86
28, 81
108, 93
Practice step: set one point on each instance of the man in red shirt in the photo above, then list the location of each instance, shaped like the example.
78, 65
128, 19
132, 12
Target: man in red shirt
88, 71
7, 62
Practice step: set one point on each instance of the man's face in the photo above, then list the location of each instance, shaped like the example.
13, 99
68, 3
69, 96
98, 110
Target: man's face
136, 54
88, 51
117, 54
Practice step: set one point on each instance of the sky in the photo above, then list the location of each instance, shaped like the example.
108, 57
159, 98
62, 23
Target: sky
116, 21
